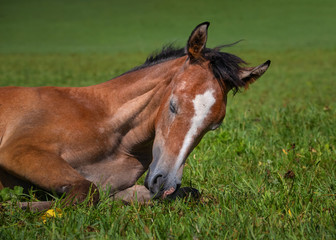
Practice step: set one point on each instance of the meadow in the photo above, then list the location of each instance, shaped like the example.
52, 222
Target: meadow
269, 172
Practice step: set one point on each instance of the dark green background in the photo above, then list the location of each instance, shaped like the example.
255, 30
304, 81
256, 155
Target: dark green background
45, 26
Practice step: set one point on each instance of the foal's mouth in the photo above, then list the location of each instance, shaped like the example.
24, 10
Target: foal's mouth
168, 192
163, 194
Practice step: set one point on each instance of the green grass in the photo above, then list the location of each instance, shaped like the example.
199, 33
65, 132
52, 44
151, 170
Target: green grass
284, 122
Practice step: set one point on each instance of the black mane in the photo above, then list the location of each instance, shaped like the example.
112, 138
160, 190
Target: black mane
225, 66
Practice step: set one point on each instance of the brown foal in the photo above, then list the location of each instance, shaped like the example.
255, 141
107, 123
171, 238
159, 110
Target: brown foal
70, 140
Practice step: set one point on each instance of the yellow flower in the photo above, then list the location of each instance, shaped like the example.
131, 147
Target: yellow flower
51, 213
289, 212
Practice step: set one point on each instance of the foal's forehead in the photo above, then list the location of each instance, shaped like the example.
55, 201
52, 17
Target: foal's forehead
195, 81
203, 97
194, 88
203, 102
196, 85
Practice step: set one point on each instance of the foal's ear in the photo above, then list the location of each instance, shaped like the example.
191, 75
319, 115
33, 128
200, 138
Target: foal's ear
251, 74
197, 41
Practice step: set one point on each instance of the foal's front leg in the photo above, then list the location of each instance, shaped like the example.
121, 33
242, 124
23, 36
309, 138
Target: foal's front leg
47, 171
137, 193
141, 194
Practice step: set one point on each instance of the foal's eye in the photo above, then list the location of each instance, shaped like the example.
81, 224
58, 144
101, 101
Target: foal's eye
172, 107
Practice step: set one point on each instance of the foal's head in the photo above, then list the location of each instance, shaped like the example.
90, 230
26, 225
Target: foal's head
194, 104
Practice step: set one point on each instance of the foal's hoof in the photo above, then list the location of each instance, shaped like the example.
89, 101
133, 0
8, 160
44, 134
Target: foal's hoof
185, 192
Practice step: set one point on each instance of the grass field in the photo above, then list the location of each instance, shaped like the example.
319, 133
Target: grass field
269, 172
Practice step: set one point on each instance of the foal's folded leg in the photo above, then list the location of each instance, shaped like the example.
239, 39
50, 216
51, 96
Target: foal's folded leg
47, 171
141, 194
36, 206
137, 193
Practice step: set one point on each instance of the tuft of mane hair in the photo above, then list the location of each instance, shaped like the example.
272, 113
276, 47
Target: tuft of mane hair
225, 66
168, 52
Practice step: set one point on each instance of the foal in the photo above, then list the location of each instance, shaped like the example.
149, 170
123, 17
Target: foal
70, 140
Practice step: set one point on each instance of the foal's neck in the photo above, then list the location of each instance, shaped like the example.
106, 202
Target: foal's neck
132, 101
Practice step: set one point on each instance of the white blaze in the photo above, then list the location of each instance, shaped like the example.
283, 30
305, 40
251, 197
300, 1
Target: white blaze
202, 105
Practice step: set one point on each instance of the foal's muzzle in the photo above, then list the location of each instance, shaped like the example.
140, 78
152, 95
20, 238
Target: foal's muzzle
160, 184
162, 180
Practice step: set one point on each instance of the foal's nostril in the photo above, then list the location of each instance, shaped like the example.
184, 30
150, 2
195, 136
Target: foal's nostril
157, 183
157, 179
